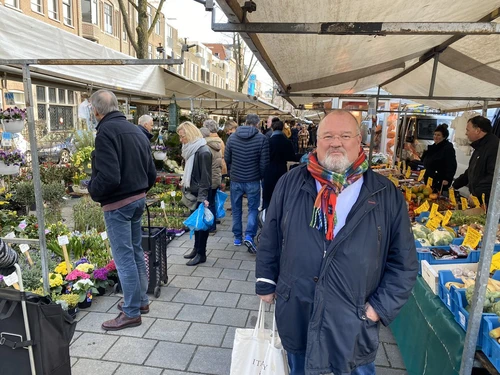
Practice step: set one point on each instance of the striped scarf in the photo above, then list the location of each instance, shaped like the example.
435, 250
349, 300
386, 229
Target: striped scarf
324, 217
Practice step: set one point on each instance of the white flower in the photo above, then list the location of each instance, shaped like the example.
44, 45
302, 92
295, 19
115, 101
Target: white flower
83, 284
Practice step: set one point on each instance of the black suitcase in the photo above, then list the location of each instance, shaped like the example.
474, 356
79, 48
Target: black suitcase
51, 332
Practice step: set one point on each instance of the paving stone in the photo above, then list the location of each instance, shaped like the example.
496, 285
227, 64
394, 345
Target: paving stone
167, 330
229, 338
211, 361
251, 277
249, 302
216, 285
221, 299
385, 335
228, 263
394, 356
171, 355
205, 334
164, 310
389, 371
209, 263
213, 239
178, 269
90, 366
252, 320
75, 336
245, 287
188, 282
223, 254
230, 317
196, 313
167, 293
381, 359
80, 315
231, 274
217, 246
228, 240
187, 244
103, 303
130, 350
174, 372
92, 345
137, 370
207, 272
226, 234
192, 296
135, 331
93, 320
248, 265
177, 250
176, 259
244, 255
73, 360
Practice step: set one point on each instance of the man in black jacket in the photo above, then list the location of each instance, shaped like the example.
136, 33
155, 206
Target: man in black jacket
337, 253
246, 156
122, 172
479, 176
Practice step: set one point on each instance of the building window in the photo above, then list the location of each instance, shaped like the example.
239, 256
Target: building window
52, 95
12, 3
108, 18
170, 38
42, 111
158, 26
40, 93
53, 9
124, 33
150, 51
62, 96
71, 97
90, 11
61, 118
36, 6
150, 17
68, 12
94, 6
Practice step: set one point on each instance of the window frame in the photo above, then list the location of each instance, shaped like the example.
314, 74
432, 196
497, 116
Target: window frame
53, 13
15, 4
108, 27
67, 7
36, 4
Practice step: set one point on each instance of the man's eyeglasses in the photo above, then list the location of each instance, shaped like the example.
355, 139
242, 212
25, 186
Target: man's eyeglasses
341, 138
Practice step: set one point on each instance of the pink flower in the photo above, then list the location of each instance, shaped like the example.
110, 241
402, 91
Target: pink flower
77, 274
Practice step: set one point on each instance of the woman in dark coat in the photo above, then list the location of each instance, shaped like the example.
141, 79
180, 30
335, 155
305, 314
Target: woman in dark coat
280, 152
439, 160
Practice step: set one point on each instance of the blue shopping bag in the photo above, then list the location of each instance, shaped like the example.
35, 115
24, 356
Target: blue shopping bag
200, 219
220, 199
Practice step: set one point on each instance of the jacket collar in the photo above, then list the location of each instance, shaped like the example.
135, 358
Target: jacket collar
480, 142
110, 116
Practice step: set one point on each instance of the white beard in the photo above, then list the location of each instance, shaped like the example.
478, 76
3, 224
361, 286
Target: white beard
336, 163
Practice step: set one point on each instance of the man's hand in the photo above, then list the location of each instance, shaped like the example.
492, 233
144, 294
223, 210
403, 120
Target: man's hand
445, 183
268, 298
371, 313
206, 203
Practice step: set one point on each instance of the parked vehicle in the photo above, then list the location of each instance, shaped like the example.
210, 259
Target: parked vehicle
56, 147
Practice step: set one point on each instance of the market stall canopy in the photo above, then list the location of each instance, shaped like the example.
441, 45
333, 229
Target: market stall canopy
307, 64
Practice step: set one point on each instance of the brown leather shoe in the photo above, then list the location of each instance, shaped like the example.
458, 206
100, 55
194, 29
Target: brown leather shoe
142, 309
120, 322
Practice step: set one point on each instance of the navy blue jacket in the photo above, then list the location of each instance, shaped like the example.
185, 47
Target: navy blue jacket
322, 286
247, 154
122, 164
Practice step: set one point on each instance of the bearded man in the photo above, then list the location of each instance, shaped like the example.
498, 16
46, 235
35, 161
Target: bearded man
337, 253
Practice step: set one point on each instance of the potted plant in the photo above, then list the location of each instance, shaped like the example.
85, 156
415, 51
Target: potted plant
82, 159
85, 289
101, 281
70, 301
13, 119
11, 161
112, 272
159, 152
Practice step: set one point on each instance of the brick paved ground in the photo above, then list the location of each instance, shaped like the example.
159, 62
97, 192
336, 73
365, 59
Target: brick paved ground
190, 327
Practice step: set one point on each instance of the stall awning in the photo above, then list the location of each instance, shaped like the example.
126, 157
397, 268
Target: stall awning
311, 63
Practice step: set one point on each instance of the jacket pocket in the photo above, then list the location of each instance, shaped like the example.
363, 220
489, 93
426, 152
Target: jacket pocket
283, 290
367, 339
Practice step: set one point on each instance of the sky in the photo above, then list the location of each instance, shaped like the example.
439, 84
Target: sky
194, 23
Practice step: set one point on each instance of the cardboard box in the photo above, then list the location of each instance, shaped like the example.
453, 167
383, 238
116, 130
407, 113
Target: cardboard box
430, 272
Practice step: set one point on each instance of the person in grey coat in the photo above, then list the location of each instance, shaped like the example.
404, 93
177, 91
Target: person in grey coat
337, 253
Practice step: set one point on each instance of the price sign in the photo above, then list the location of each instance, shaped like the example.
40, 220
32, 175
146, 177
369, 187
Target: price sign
424, 207
10, 235
453, 199
63, 240
472, 238
465, 204
421, 175
475, 201
6, 139
11, 279
408, 172
399, 165
434, 210
447, 217
408, 194
104, 235
433, 223
404, 166
429, 182
24, 247
162, 205
483, 198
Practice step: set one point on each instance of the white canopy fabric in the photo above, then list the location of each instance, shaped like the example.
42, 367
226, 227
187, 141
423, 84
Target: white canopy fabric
352, 63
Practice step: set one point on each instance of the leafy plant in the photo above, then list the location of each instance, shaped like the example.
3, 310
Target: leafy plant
13, 114
33, 274
88, 214
25, 193
82, 157
14, 157
50, 172
71, 299
84, 138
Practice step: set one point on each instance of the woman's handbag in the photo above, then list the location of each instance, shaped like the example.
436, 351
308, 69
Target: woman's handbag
189, 200
258, 351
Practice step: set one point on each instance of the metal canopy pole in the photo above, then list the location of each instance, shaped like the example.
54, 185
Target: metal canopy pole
386, 96
372, 112
393, 162
483, 273
28, 90
433, 77
485, 108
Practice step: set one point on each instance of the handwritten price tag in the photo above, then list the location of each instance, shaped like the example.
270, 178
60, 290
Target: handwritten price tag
63, 240
162, 205
472, 238
399, 165
447, 217
475, 201
434, 210
433, 223
429, 182
24, 247
408, 194
408, 172
453, 200
465, 204
10, 235
421, 175
11, 279
424, 207
104, 236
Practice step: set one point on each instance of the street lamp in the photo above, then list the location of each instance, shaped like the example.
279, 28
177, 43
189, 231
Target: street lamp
161, 49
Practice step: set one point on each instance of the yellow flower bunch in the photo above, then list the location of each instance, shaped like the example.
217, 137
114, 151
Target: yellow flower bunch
3, 202
8, 195
85, 267
61, 269
55, 280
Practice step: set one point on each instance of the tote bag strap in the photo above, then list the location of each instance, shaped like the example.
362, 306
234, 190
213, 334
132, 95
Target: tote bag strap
259, 325
275, 332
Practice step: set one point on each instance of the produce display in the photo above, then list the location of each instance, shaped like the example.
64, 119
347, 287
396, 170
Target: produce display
426, 237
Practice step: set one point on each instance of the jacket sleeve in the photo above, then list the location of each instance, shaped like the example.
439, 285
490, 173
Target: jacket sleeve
462, 180
483, 186
264, 156
106, 175
290, 153
223, 151
269, 251
451, 164
227, 155
401, 267
205, 162
151, 173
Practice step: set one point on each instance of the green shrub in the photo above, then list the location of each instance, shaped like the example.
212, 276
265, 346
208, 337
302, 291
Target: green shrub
88, 214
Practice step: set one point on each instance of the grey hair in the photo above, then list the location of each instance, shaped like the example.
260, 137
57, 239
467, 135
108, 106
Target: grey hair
211, 125
339, 112
104, 102
205, 132
144, 119
252, 120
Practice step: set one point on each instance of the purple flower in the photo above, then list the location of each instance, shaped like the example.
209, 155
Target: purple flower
101, 274
81, 261
1, 277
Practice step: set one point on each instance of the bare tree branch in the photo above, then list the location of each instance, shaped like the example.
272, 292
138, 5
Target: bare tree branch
126, 22
156, 18
131, 2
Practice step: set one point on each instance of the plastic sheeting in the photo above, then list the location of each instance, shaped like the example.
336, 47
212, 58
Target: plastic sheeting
353, 63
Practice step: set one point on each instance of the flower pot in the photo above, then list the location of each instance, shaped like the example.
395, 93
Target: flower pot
85, 304
13, 126
73, 311
159, 155
102, 291
8, 169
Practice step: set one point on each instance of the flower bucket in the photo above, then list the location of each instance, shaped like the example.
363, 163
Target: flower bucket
102, 291
13, 126
85, 304
8, 169
159, 155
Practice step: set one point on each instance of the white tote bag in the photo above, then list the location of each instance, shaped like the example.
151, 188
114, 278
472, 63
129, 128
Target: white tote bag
258, 351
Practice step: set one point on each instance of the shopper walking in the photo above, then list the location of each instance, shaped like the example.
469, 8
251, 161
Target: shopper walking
294, 128
247, 156
337, 253
197, 180
122, 172
146, 125
303, 139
